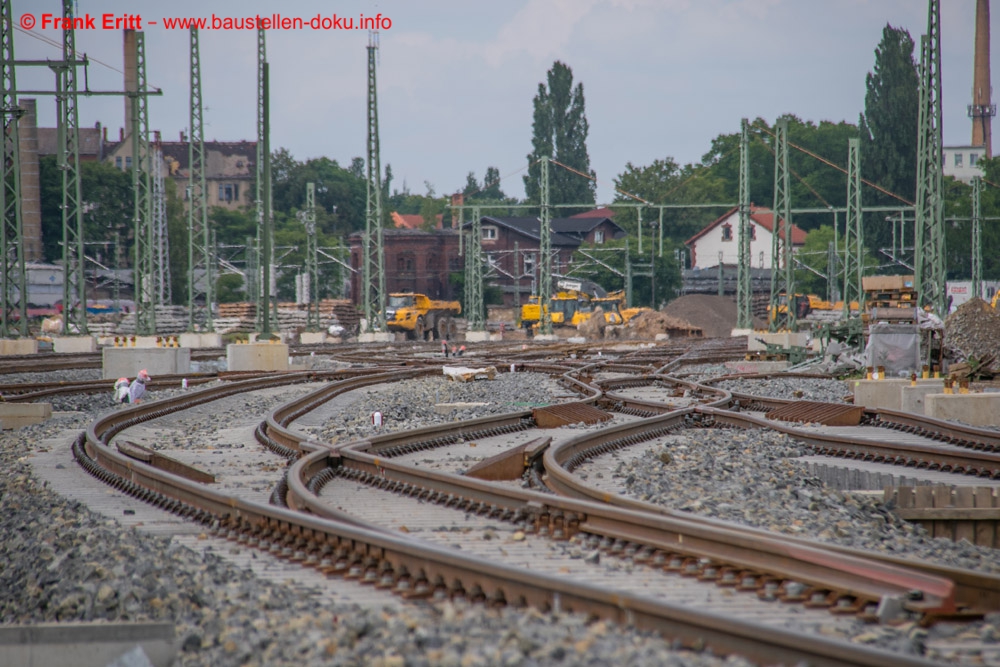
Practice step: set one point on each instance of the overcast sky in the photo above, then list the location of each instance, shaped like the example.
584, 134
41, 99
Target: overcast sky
457, 77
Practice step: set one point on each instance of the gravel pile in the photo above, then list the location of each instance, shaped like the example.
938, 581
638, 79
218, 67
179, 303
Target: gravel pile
411, 404
974, 329
752, 477
801, 389
59, 562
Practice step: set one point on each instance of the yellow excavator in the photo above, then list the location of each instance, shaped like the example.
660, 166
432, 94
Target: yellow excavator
568, 308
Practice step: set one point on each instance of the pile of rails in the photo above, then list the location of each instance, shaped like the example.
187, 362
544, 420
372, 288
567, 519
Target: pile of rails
241, 317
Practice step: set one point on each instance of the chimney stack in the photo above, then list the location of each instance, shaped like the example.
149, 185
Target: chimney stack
982, 109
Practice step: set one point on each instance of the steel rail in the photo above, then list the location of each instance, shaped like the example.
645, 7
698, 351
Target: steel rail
365, 460
973, 590
418, 570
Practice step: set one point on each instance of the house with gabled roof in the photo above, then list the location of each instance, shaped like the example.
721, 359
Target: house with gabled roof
510, 246
717, 242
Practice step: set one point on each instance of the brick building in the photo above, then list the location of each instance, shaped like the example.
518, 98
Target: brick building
510, 246
415, 261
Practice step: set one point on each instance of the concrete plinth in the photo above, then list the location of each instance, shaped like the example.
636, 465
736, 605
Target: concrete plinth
16, 415
14, 346
914, 399
312, 337
785, 339
88, 644
257, 357
200, 340
74, 344
885, 394
128, 361
973, 409
256, 337
546, 338
477, 336
377, 337
736, 333
577, 340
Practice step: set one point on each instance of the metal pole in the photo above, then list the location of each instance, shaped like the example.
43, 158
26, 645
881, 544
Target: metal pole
74, 278
545, 251
265, 232
145, 312
199, 256
853, 230
782, 275
977, 238
13, 304
474, 286
374, 248
744, 283
312, 259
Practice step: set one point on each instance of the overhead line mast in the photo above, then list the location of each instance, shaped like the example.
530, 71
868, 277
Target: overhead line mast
373, 262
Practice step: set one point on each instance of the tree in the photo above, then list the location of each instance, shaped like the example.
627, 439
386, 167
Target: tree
560, 132
889, 127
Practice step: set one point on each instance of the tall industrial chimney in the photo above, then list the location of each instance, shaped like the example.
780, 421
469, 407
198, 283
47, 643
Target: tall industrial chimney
982, 110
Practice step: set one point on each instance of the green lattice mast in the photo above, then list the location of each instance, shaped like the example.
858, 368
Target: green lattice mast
744, 284
853, 234
373, 263
782, 270
143, 271
199, 250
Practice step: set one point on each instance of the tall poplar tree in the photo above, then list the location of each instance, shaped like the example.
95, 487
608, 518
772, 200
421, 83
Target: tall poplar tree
889, 129
560, 131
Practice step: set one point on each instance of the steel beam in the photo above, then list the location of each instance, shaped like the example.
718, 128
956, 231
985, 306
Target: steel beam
853, 234
199, 252
782, 267
545, 251
13, 291
744, 287
373, 262
142, 269
929, 241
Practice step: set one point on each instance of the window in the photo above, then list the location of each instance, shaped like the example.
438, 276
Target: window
529, 264
489, 233
753, 232
958, 159
599, 236
128, 161
727, 232
405, 262
973, 159
118, 161
229, 192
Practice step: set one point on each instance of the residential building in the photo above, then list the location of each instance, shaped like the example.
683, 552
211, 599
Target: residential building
717, 242
962, 162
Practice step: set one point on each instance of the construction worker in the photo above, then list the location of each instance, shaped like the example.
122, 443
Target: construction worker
137, 389
121, 391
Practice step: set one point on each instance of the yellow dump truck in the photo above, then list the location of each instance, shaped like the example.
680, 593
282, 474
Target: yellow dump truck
420, 317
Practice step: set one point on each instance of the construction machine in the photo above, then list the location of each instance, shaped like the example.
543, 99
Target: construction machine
420, 317
569, 308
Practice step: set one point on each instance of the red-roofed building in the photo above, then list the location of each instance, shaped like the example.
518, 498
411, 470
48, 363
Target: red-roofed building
411, 221
602, 212
721, 237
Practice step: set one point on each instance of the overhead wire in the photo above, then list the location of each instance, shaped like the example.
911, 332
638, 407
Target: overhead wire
52, 42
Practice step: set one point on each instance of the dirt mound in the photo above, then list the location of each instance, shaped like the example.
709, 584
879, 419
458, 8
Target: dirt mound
647, 324
714, 315
593, 328
974, 329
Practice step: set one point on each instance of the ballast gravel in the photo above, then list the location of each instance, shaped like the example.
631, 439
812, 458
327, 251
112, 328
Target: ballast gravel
60, 562
752, 477
791, 388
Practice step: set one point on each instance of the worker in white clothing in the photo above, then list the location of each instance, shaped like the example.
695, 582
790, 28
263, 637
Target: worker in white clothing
137, 389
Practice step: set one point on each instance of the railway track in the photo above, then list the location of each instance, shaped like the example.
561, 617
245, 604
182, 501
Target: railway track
331, 549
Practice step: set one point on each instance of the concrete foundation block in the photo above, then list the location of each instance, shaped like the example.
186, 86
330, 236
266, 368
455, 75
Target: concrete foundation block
577, 340
477, 336
128, 361
257, 357
312, 337
758, 341
200, 340
756, 366
736, 333
377, 337
16, 415
885, 394
914, 399
74, 344
546, 338
972, 409
16, 346
88, 644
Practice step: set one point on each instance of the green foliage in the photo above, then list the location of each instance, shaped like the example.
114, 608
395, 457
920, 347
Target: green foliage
177, 237
341, 195
664, 182
230, 288
889, 128
106, 200
559, 131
